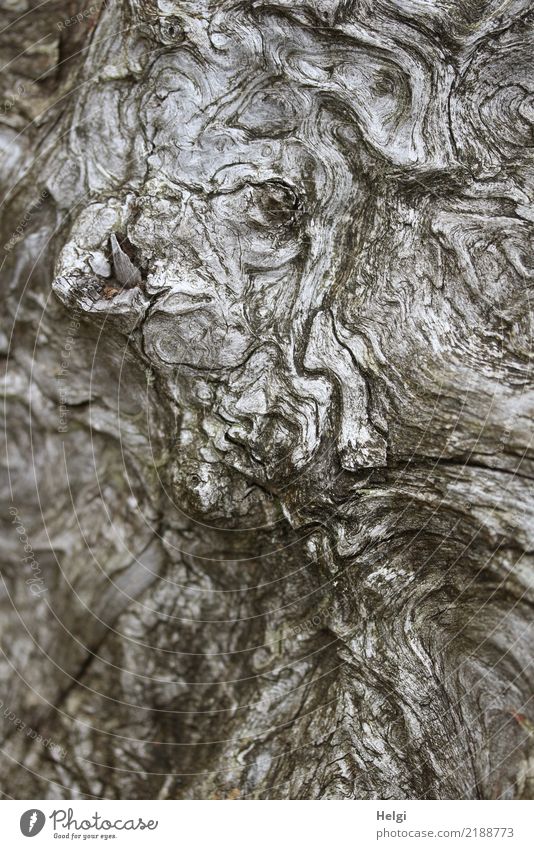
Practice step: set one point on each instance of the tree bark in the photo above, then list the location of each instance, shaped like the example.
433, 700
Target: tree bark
267, 345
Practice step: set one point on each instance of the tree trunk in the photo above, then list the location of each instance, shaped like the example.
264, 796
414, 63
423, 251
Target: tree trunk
267, 347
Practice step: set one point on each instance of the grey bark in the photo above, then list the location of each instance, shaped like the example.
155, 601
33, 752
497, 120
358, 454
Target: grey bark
267, 345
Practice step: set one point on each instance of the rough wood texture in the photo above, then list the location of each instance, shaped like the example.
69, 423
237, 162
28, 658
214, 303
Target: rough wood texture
266, 270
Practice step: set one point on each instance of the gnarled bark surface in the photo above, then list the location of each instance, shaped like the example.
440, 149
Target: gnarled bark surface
266, 270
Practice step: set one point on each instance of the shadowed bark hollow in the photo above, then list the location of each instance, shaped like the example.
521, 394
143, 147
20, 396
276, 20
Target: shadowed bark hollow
266, 340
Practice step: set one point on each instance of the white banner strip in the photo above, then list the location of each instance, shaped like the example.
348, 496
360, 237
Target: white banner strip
259, 825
